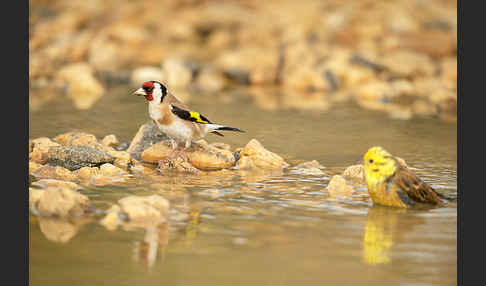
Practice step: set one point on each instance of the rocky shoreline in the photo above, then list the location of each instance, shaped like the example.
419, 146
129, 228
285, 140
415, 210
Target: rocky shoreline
61, 166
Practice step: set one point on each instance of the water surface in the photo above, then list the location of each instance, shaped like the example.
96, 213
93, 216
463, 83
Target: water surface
276, 228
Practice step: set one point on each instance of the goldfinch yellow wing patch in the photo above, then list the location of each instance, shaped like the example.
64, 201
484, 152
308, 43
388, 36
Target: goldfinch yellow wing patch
190, 115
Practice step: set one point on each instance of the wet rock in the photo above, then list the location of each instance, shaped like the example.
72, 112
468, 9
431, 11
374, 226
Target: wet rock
143, 74
52, 183
54, 172
40, 146
209, 157
254, 155
339, 187
147, 135
108, 169
75, 157
122, 159
176, 73
179, 164
354, 172
148, 208
310, 168
110, 141
138, 167
201, 156
157, 152
87, 173
83, 87
60, 202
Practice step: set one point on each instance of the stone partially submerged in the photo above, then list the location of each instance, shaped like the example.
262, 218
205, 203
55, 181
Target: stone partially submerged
76, 157
255, 156
143, 210
58, 202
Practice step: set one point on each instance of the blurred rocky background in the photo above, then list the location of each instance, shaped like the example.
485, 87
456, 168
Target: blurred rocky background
395, 56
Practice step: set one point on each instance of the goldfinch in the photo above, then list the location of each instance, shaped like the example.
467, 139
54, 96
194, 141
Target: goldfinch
175, 119
391, 184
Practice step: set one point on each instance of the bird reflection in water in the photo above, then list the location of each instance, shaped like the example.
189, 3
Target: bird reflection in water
384, 228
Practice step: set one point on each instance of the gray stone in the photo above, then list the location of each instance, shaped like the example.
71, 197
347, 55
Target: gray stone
76, 157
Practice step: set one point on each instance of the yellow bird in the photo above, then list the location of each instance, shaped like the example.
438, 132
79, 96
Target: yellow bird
391, 184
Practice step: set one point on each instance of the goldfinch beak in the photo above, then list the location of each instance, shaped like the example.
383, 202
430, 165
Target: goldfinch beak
139, 92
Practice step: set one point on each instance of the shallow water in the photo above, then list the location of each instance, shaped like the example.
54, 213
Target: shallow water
278, 228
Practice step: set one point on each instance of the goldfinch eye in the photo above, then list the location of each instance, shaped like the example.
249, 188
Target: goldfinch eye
148, 88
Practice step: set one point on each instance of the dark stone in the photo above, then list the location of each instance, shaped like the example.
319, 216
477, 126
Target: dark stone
76, 157
147, 135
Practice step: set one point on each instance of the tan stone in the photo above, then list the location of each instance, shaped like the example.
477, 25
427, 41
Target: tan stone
108, 169
178, 163
110, 141
210, 157
52, 183
157, 152
86, 173
152, 208
310, 168
259, 157
40, 147
354, 172
339, 187
61, 202
122, 159
54, 172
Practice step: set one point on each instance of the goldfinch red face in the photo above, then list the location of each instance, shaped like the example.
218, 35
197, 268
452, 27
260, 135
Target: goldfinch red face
152, 90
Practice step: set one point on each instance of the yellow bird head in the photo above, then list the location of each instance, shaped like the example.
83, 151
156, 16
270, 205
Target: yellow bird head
378, 165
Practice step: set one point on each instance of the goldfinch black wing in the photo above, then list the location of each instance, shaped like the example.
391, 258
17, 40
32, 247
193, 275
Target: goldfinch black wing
189, 115
415, 188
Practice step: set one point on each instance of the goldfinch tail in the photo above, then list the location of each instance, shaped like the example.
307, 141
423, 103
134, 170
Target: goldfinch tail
229, 129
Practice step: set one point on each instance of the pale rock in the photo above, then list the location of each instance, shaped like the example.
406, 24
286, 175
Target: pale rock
60, 202
339, 187
110, 141
254, 155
